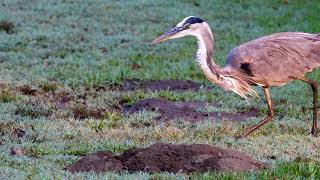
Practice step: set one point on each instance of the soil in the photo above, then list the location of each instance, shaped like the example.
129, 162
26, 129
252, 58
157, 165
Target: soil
187, 110
97, 162
162, 157
16, 151
158, 85
19, 133
81, 111
7, 26
76, 105
27, 90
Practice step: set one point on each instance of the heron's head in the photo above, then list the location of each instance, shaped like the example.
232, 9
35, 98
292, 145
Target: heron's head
189, 26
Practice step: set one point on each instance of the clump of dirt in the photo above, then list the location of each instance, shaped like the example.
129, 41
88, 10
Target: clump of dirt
187, 110
81, 111
62, 99
49, 86
162, 157
97, 162
158, 85
16, 151
6, 127
27, 89
18, 133
7, 26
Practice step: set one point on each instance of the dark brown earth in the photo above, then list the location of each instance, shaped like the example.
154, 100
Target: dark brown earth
97, 162
16, 151
27, 90
7, 26
187, 110
158, 85
162, 157
18, 133
81, 111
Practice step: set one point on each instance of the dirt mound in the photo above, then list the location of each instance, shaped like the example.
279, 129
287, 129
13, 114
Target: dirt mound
168, 157
158, 85
187, 110
97, 162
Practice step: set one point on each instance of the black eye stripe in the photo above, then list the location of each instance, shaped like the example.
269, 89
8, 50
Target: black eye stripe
193, 20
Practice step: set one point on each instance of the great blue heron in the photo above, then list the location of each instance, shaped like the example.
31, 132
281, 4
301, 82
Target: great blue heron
272, 60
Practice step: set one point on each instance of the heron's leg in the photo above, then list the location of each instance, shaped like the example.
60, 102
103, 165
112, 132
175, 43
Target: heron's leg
314, 86
265, 120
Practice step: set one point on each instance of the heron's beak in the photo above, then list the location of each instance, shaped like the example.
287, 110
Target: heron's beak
166, 36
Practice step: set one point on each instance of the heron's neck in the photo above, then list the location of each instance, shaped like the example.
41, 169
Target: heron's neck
205, 54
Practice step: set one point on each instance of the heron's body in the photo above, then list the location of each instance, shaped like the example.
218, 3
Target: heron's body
276, 59
272, 60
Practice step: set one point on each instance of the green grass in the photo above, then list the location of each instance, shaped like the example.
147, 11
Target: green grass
64, 49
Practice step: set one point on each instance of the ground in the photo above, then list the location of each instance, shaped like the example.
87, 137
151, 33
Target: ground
77, 77
162, 157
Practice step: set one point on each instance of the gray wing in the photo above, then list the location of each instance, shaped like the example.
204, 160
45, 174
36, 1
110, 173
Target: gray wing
276, 59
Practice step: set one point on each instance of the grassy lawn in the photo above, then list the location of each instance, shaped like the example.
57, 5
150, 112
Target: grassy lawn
83, 50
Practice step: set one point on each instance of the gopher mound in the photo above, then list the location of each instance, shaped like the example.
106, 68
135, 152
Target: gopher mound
162, 157
187, 110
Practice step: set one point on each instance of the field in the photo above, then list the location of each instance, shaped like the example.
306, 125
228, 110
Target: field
69, 68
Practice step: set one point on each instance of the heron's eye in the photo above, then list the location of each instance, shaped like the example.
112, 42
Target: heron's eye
188, 25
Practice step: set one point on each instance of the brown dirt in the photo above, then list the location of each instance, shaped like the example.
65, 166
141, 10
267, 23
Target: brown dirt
187, 110
27, 90
16, 151
81, 111
62, 100
97, 162
158, 85
7, 26
19, 133
170, 158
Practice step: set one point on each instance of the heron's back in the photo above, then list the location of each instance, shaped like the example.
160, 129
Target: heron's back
278, 58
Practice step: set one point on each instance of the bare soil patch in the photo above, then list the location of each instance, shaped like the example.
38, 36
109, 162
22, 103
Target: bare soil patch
162, 157
19, 133
158, 85
81, 111
187, 110
27, 90
7, 26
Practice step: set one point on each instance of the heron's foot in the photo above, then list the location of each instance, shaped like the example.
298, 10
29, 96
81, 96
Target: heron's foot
251, 129
239, 137
314, 132
245, 133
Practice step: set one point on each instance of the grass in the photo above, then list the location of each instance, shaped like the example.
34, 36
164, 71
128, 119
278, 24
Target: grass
53, 50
